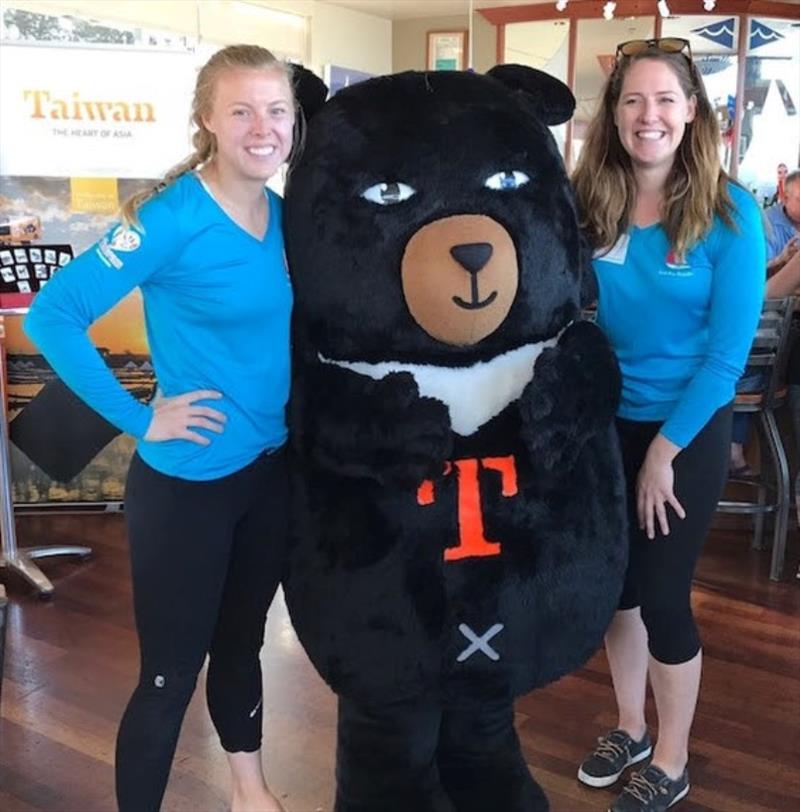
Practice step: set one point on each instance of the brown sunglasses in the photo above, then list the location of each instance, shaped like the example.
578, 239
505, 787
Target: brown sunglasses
667, 45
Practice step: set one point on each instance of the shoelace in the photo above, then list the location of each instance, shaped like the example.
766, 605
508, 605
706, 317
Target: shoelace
641, 789
608, 749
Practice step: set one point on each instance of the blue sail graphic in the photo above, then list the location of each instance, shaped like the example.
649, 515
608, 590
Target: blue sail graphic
761, 34
721, 32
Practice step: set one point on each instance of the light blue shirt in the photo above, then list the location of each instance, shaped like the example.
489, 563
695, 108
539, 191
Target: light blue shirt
682, 330
780, 230
217, 305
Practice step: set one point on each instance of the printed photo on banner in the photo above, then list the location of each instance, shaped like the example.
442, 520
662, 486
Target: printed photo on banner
37, 402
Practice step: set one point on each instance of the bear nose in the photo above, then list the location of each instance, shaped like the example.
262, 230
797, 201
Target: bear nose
472, 256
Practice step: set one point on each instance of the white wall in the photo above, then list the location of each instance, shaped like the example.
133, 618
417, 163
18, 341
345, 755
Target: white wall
409, 40
343, 37
350, 39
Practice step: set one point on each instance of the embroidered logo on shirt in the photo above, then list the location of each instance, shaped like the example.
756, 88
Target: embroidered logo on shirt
674, 262
676, 267
122, 239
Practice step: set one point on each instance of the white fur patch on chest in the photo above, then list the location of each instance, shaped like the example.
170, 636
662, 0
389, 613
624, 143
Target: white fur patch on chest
473, 395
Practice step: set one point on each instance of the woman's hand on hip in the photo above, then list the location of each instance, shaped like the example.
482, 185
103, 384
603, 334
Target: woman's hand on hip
175, 418
655, 487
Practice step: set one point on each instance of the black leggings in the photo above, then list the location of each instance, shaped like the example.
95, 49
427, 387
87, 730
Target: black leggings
206, 559
660, 570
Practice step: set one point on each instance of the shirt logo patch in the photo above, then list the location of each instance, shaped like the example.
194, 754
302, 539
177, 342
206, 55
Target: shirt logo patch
122, 239
675, 267
674, 263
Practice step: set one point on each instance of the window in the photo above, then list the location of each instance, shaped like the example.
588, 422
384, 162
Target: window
543, 45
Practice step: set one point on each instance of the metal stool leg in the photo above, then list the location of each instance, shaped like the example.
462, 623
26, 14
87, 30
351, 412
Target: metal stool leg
761, 490
782, 495
20, 561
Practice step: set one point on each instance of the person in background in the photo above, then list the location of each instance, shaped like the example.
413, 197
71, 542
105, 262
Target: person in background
783, 242
783, 225
780, 187
679, 260
206, 494
786, 282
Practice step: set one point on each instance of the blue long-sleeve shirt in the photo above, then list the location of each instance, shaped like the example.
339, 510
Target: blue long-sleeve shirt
217, 305
682, 330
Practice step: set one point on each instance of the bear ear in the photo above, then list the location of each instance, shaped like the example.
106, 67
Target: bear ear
309, 90
552, 99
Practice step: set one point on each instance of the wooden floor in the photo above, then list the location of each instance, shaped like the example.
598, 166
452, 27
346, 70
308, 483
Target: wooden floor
71, 664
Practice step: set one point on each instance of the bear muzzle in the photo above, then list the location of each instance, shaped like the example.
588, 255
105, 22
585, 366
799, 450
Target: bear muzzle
460, 276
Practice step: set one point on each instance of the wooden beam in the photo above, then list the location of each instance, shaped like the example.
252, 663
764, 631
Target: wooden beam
501, 44
585, 9
744, 30
572, 50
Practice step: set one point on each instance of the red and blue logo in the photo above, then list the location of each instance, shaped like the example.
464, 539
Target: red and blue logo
674, 263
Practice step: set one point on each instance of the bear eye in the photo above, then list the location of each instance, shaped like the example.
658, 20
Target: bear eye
506, 180
385, 194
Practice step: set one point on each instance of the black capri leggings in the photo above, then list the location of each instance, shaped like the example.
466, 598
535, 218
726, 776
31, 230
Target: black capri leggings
206, 559
660, 570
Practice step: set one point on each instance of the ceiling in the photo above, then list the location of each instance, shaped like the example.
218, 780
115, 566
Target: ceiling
412, 9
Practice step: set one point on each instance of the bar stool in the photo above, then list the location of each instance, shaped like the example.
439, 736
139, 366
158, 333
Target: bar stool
769, 353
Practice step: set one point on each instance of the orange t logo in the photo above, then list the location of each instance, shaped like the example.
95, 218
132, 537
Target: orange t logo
471, 539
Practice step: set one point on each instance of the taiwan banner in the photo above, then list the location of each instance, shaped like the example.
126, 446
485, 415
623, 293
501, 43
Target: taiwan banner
93, 112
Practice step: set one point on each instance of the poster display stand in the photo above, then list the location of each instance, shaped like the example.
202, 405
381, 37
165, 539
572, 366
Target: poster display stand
20, 560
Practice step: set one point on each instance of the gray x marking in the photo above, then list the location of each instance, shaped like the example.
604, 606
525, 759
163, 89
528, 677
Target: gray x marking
479, 643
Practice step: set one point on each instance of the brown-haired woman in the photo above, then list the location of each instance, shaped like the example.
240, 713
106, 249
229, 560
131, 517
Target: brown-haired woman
205, 500
679, 260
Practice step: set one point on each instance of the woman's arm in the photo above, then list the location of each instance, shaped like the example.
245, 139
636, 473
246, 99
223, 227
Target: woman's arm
737, 295
655, 487
83, 291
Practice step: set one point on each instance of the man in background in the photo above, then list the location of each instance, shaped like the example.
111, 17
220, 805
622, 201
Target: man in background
783, 237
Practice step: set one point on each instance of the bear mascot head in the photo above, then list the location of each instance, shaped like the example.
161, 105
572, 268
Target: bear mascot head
458, 509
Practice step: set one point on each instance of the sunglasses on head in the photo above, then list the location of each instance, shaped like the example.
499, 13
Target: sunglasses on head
667, 45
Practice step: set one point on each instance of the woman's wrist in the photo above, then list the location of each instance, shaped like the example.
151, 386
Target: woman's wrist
662, 450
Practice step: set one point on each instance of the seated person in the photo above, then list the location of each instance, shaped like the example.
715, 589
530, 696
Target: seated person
783, 241
787, 283
752, 381
783, 225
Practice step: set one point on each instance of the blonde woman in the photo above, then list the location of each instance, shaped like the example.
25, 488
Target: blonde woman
205, 500
679, 260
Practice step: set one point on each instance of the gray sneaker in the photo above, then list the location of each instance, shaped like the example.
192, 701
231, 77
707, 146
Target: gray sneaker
615, 752
651, 790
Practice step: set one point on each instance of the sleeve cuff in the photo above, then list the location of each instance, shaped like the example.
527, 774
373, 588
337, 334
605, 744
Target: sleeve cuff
140, 423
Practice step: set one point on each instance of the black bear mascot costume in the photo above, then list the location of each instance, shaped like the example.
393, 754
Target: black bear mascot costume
459, 525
